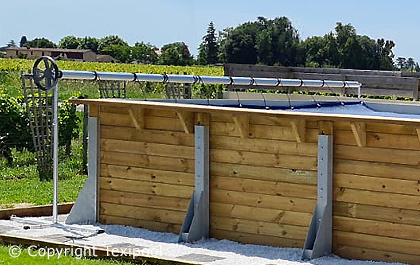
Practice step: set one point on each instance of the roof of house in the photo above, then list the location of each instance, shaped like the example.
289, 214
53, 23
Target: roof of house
47, 49
105, 57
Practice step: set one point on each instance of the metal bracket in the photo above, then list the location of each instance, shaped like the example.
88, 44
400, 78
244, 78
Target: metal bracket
196, 223
319, 239
85, 210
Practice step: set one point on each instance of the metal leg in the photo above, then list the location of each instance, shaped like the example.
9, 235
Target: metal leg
85, 210
196, 223
319, 239
55, 152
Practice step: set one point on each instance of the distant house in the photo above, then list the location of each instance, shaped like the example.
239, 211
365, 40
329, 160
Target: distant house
34, 53
105, 58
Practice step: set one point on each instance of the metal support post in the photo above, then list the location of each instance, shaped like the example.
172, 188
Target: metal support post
85, 210
319, 239
55, 152
196, 223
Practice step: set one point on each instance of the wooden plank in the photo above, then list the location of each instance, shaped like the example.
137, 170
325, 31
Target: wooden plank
370, 212
187, 120
147, 148
260, 214
373, 169
345, 126
245, 111
299, 130
389, 185
261, 159
35, 211
403, 246
143, 187
144, 200
258, 228
263, 201
373, 154
260, 132
263, 187
264, 173
392, 200
137, 117
242, 125
151, 225
148, 161
115, 119
375, 255
150, 136
359, 133
166, 124
265, 240
144, 174
325, 128
263, 145
377, 228
93, 111
418, 134
203, 119
142, 213
154, 123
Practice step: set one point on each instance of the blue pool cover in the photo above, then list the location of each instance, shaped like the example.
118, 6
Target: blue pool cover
351, 107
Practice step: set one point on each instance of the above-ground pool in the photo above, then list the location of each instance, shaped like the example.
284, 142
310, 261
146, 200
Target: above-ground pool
263, 170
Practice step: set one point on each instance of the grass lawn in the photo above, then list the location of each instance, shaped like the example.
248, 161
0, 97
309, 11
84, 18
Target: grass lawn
19, 182
25, 259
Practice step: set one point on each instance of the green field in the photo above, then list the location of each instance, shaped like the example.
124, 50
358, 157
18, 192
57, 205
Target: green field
11, 84
23, 65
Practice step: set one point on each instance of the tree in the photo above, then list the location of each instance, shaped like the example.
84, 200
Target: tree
69, 42
208, 48
410, 64
110, 40
263, 41
144, 53
239, 45
40, 43
277, 42
11, 43
386, 54
401, 63
343, 48
23, 40
89, 43
176, 53
119, 52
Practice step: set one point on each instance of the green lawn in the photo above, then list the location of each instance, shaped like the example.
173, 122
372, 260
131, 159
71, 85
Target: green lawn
25, 259
19, 182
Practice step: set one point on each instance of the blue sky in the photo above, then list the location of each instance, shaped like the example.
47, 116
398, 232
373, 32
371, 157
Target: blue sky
164, 21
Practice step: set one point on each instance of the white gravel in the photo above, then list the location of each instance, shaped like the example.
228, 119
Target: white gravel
166, 245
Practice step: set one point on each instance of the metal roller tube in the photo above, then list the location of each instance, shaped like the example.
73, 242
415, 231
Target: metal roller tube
243, 81
111, 76
80, 75
333, 84
217, 80
312, 83
186, 79
149, 77
191, 79
291, 82
266, 82
352, 84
